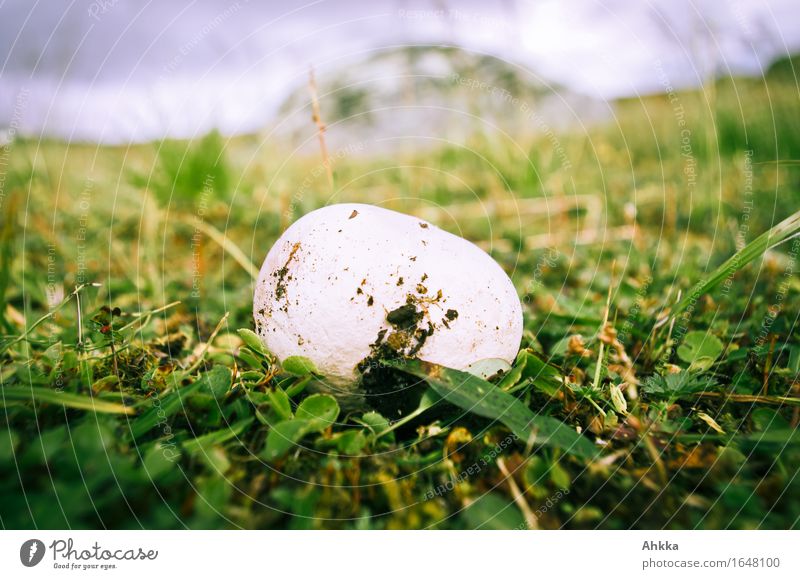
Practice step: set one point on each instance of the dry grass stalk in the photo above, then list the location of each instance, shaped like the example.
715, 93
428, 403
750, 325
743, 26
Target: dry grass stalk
317, 118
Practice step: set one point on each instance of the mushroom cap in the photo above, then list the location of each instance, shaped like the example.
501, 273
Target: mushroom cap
347, 278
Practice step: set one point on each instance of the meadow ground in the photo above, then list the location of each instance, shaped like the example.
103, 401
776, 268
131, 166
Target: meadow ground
131, 399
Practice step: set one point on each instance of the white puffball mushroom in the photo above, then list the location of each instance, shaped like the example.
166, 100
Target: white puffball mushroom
347, 280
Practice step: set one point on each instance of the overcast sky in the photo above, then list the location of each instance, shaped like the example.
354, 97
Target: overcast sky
117, 71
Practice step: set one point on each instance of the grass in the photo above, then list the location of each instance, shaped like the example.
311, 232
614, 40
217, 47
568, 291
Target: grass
656, 387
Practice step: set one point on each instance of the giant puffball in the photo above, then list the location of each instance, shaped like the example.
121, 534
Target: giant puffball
351, 282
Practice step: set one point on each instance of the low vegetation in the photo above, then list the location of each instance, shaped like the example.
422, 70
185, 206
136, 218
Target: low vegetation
657, 385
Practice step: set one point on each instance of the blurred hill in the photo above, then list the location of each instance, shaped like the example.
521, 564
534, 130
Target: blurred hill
438, 94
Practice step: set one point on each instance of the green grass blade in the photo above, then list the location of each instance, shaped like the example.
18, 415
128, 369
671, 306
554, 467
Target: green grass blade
46, 317
47, 396
781, 232
169, 405
218, 436
483, 398
228, 245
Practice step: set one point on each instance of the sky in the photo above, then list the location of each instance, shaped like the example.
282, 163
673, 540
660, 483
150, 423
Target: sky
118, 71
